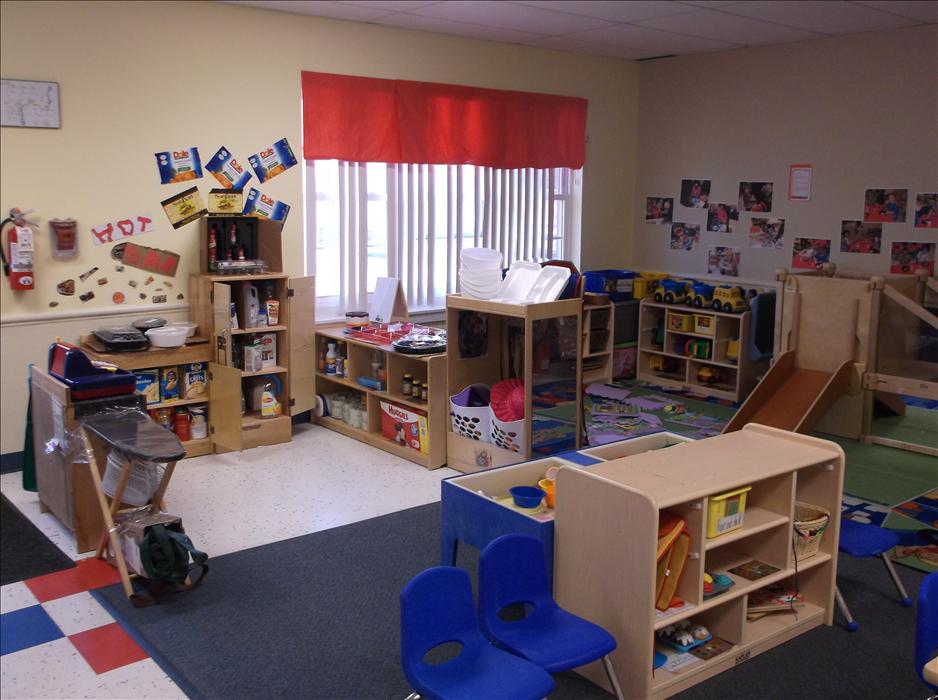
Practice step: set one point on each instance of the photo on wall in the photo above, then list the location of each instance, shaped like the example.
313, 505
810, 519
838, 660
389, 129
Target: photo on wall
885, 206
755, 196
723, 260
908, 257
766, 233
926, 210
684, 236
722, 218
860, 237
659, 210
810, 253
695, 193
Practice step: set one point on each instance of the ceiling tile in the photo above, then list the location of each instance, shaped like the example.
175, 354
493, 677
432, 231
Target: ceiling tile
719, 26
825, 17
651, 41
923, 10
566, 43
613, 10
510, 16
335, 10
390, 5
445, 26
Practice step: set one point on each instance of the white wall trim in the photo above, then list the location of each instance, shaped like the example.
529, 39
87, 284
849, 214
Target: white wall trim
138, 310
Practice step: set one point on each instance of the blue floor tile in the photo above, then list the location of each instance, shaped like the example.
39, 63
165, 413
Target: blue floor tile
26, 628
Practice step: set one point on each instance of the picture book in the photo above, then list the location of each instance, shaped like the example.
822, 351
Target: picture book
774, 598
754, 570
711, 648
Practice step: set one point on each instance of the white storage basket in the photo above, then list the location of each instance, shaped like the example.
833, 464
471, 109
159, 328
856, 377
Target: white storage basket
509, 435
470, 421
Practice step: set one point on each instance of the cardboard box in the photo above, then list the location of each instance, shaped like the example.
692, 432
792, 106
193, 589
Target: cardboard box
194, 381
148, 384
405, 426
268, 343
131, 527
169, 384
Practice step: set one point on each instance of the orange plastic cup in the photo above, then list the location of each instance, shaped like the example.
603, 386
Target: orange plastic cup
549, 486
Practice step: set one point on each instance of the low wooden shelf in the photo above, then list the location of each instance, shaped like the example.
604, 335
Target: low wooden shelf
432, 368
605, 531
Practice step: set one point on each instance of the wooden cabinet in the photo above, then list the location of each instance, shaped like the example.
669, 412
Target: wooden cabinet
235, 421
361, 355
196, 349
695, 349
598, 342
489, 341
605, 534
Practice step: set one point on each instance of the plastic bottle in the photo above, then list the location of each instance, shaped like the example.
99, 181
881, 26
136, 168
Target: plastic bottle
251, 305
331, 359
270, 404
212, 248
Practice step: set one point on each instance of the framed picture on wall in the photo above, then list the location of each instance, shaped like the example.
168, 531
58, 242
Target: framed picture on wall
29, 103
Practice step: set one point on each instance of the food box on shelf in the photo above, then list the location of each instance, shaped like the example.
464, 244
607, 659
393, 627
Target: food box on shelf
405, 426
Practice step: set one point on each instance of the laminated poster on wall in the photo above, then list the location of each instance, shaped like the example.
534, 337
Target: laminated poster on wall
272, 160
227, 170
723, 260
860, 237
695, 193
179, 165
810, 253
259, 204
926, 210
684, 236
118, 229
885, 206
909, 256
722, 218
755, 196
162, 262
185, 207
766, 233
222, 201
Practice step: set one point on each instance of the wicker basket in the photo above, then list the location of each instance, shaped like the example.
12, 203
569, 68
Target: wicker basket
809, 525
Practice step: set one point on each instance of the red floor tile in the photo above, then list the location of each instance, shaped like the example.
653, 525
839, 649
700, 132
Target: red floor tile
89, 574
108, 647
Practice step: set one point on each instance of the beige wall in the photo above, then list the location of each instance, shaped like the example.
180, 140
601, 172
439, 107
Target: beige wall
137, 78
861, 109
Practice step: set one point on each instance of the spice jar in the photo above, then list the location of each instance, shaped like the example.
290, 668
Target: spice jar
407, 384
415, 390
424, 391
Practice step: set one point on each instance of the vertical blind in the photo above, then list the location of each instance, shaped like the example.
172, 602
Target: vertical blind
430, 212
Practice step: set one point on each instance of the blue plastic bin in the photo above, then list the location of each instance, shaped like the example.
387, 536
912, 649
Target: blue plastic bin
616, 283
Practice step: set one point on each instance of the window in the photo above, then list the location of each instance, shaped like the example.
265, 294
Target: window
370, 220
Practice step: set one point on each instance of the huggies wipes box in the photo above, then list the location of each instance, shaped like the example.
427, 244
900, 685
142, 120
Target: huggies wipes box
405, 427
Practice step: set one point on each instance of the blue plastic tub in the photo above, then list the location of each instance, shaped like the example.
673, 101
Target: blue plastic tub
527, 496
616, 283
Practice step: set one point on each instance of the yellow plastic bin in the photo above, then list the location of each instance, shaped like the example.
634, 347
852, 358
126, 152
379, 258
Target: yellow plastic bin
703, 324
725, 511
680, 322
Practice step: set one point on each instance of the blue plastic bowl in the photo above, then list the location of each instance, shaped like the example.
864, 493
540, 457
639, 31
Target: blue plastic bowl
527, 496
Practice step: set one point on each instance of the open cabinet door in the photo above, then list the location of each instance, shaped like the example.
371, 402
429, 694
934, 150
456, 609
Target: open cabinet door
221, 322
224, 407
302, 294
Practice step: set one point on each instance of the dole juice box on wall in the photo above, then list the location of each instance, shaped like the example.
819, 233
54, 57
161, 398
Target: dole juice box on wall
272, 160
404, 426
227, 170
179, 166
259, 204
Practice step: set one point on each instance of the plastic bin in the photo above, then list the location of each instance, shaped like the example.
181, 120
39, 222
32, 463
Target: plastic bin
725, 511
616, 283
472, 422
646, 283
142, 483
683, 323
508, 435
703, 324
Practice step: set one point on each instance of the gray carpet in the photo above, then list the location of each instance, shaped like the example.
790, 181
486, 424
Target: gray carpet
317, 617
24, 551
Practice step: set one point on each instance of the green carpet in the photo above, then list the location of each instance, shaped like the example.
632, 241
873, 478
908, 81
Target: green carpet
918, 425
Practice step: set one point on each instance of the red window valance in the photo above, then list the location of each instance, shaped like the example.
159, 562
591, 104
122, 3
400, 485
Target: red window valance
403, 121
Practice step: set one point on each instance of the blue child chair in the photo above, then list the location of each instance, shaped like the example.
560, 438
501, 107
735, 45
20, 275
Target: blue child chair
926, 630
866, 540
512, 571
437, 609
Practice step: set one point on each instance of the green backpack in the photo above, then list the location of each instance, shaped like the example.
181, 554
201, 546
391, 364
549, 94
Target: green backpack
165, 554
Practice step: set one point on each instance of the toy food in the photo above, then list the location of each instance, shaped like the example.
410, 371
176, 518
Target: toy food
699, 632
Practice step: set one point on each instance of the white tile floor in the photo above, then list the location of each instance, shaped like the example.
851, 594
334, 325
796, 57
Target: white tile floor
227, 502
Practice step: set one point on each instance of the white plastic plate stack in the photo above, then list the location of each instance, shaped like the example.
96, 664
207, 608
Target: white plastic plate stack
480, 272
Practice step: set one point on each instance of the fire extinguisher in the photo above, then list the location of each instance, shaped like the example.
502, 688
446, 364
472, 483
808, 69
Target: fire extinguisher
18, 257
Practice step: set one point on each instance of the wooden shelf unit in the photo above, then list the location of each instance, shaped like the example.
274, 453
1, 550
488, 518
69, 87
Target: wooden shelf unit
606, 525
465, 454
681, 370
598, 331
430, 368
229, 385
196, 349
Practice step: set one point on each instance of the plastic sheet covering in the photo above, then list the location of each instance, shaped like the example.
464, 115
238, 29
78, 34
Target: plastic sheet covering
134, 434
907, 344
142, 483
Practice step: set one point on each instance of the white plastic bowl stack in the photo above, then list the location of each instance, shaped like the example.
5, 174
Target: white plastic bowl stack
480, 272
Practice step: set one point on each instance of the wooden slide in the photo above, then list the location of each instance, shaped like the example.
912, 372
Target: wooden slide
792, 398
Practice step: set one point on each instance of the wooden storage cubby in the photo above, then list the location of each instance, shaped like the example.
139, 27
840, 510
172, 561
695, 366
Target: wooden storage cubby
229, 384
502, 322
605, 524
430, 368
736, 379
598, 330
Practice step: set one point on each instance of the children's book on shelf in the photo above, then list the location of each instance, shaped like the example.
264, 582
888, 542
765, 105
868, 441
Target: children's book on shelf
754, 570
775, 598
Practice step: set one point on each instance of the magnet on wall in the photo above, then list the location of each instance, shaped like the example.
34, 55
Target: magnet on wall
167, 283
66, 288
117, 252
159, 298
85, 275
118, 268
102, 281
148, 281
53, 304
180, 296
142, 295
118, 297
87, 296
132, 283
